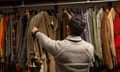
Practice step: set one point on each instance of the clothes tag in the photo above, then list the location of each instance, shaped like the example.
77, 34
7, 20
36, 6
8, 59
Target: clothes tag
33, 64
52, 23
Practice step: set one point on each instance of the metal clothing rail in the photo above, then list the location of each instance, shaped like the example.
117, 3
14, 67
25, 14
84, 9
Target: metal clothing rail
51, 4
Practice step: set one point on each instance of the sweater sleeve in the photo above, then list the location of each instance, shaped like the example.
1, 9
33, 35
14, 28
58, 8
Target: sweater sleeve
47, 43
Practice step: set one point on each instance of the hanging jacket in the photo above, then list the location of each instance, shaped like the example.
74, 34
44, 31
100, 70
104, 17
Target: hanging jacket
36, 55
1, 30
89, 17
105, 37
8, 43
110, 19
22, 29
117, 34
99, 22
3, 35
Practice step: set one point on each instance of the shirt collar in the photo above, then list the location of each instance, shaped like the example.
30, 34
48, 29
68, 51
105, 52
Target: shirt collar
73, 38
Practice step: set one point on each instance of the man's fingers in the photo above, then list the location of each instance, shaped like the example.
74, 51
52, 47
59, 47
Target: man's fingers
34, 29
69, 16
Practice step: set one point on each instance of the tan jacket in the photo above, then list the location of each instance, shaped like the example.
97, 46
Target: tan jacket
110, 19
105, 40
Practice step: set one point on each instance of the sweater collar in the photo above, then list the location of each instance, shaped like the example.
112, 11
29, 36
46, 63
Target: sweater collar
73, 38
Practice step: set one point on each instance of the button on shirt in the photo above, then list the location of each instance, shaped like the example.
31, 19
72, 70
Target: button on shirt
72, 54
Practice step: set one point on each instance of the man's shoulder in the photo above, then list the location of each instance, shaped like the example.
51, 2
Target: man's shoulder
88, 45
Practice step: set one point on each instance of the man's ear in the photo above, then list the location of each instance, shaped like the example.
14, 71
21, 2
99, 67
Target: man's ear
84, 31
67, 26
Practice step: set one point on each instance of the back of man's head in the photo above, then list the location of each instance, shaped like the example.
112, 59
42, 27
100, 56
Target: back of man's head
77, 25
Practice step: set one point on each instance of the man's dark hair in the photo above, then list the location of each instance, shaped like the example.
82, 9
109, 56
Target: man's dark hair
77, 25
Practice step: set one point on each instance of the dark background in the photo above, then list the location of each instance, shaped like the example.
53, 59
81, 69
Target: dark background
19, 2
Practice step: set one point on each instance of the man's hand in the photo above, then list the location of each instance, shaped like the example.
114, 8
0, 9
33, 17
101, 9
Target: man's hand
34, 29
69, 16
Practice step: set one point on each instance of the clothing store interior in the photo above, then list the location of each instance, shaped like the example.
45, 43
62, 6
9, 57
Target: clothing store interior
21, 52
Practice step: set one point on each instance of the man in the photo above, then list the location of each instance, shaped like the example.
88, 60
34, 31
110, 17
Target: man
72, 54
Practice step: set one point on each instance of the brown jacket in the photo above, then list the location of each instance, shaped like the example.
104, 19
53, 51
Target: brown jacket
49, 26
105, 36
110, 19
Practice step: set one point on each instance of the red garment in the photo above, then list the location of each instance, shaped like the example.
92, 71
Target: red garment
118, 54
117, 34
3, 31
5, 68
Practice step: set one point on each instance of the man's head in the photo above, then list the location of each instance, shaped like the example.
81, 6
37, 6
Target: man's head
76, 25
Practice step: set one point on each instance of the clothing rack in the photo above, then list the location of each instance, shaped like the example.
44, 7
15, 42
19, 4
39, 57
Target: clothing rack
53, 4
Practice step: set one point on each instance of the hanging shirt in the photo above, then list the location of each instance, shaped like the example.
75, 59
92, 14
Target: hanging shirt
89, 16
1, 30
3, 35
85, 35
99, 22
95, 32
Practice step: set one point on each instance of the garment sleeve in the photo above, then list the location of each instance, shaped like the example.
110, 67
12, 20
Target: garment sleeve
47, 43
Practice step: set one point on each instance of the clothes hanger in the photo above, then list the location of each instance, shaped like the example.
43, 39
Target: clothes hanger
1, 13
53, 11
78, 11
71, 9
49, 12
109, 6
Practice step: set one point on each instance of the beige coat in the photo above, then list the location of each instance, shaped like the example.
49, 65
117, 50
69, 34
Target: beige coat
110, 19
105, 36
